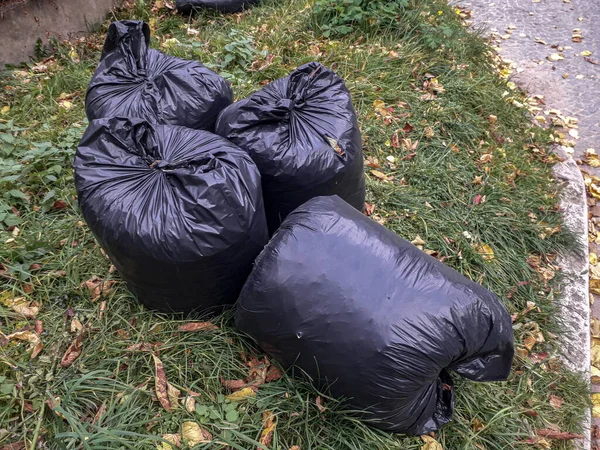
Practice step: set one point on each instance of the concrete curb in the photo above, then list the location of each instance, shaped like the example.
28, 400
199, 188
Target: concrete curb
574, 304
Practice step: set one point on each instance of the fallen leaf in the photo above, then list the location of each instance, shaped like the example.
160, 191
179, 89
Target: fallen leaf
98, 287
595, 285
319, 403
595, 375
417, 241
242, 395
100, 412
76, 325
555, 57
335, 145
28, 336
430, 443
197, 326
596, 352
273, 374
233, 385
189, 403
379, 175
556, 402
38, 327
557, 435
193, 434
486, 252
596, 405
167, 395
20, 445
5, 110
74, 350
143, 347
269, 424
174, 440
369, 208
477, 199
21, 305
295, 447
477, 425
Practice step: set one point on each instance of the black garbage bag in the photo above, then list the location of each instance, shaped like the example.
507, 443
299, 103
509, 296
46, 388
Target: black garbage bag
225, 6
302, 133
133, 80
178, 211
373, 317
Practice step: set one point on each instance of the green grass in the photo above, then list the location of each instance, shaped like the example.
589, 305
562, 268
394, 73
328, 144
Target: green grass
431, 192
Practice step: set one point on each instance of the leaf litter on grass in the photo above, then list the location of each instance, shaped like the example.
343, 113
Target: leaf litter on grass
442, 108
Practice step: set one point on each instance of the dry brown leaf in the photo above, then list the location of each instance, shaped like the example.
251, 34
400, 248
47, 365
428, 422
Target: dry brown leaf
417, 241
556, 402
99, 413
295, 447
143, 347
242, 395
197, 326
368, 209
557, 435
273, 374
319, 403
31, 337
76, 325
233, 385
193, 434
74, 350
379, 175
257, 372
98, 287
38, 328
269, 424
595, 286
595, 375
167, 395
430, 443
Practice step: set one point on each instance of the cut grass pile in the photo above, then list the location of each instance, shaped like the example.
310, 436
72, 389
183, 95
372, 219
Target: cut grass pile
453, 164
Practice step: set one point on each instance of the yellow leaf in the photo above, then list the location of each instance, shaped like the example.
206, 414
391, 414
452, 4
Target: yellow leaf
417, 241
430, 443
5, 110
593, 259
555, 57
241, 395
174, 440
31, 337
170, 43
477, 425
486, 252
596, 405
76, 325
269, 421
586, 53
193, 434
596, 352
595, 285
378, 174
189, 403
21, 305
595, 190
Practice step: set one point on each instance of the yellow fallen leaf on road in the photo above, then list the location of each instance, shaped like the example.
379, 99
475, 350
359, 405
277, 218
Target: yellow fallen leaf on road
193, 434
173, 439
555, 57
241, 395
595, 285
596, 405
486, 252
269, 423
596, 352
595, 375
430, 443
586, 53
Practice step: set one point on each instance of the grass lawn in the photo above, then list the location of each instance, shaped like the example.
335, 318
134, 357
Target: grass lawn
453, 164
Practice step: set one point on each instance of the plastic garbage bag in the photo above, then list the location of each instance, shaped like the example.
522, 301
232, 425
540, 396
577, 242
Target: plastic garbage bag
302, 133
178, 211
133, 80
371, 316
225, 6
